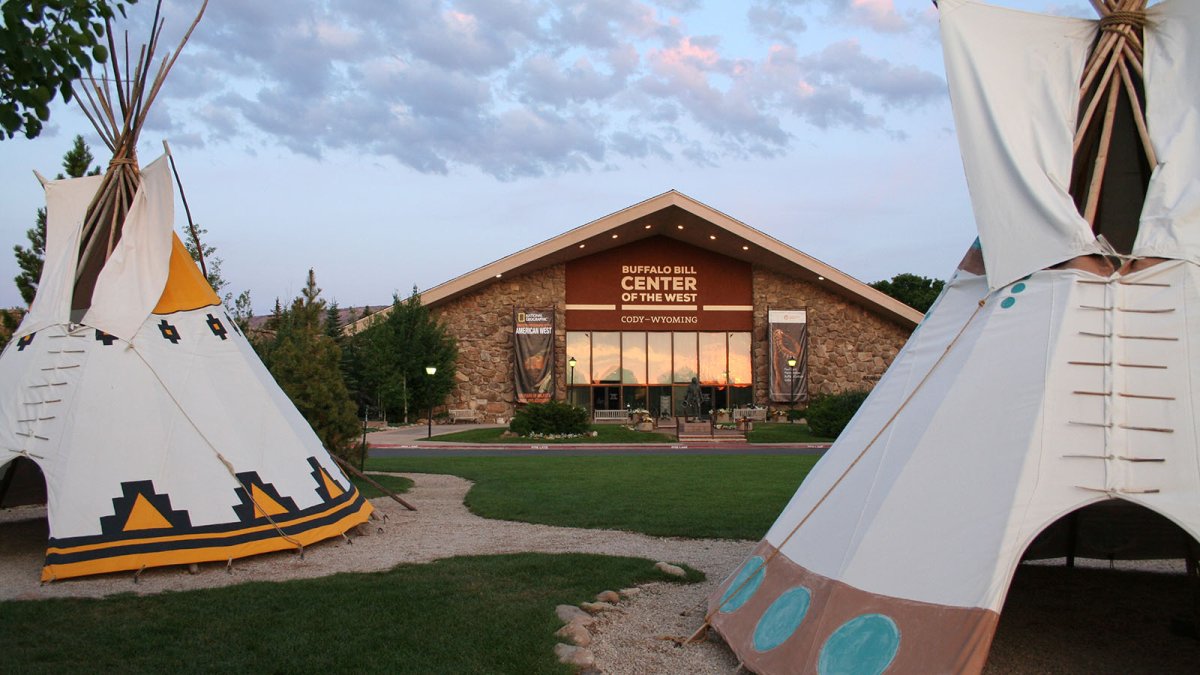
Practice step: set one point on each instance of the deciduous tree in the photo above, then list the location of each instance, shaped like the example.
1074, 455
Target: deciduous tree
913, 290
45, 45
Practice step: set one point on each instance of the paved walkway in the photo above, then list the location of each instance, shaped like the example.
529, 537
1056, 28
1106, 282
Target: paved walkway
411, 441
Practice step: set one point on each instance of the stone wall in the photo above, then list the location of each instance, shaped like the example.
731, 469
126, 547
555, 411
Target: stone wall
848, 347
482, 322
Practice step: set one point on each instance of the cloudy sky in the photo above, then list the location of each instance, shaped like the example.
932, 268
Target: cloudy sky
388, 144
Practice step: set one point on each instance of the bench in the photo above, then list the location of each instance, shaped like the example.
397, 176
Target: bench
469, 415
759, 414
611, 416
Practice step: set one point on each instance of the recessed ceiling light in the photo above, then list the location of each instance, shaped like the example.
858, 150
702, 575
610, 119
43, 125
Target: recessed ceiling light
820, 278
649, 226
679, 226
615, 236
499, 275
712, 236
745, 248
582, 245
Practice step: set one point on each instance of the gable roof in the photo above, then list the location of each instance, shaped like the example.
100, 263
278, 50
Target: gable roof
677, 216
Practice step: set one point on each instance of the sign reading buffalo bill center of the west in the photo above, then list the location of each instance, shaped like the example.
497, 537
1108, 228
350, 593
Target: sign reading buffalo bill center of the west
659, 284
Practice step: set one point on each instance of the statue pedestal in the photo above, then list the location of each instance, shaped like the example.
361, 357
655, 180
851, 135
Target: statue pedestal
694, 429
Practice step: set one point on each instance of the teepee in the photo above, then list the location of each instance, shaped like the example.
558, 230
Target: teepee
1047, 406
161, 437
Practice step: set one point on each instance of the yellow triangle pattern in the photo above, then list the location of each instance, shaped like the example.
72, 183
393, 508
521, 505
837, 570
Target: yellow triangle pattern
331, 486
264, 503
143, 516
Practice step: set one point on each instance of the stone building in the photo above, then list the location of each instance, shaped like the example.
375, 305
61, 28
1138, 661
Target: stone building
623, 312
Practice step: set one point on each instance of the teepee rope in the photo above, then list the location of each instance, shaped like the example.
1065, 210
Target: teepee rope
225, 462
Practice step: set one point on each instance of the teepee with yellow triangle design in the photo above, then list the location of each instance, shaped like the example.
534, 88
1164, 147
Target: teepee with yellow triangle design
161, 436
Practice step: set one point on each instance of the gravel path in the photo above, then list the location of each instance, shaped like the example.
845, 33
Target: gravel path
442, 528
1055, 620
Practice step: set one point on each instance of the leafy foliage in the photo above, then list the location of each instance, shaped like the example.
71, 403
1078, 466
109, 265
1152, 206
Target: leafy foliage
387, 361
306, 364
29, 260
913, 290
45, 45
552, 417
829, 414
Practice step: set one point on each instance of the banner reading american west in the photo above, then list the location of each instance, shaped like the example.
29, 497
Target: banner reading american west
533, 351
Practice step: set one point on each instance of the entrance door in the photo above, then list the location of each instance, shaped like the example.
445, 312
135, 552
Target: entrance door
606, 398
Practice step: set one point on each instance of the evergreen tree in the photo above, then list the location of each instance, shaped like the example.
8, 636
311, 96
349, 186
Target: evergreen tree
913, 290
391, 356
10, 320
29, 260
212, 263
306, 364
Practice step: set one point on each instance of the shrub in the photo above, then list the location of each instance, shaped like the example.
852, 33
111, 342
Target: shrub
552, 417
828, 415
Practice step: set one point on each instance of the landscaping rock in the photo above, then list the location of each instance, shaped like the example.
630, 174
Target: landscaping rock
608, 596
668, 568
574, 656
629, 592
509, 434
576, 633
597, 607
572, 614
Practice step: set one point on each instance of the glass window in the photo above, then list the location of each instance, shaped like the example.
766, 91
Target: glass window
606, 357
740, 397
634, 398
685, 357
712, 358
633, 358
740, 370
658, 355
579, 347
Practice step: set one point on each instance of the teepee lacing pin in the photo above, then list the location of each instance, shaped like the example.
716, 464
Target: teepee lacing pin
732, 592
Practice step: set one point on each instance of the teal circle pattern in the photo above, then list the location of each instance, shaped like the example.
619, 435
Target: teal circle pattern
781, 619
1017, 288
1008, 302
744, 585
864, 645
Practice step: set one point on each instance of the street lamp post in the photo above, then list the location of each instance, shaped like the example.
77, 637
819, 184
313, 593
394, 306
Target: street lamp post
571, 388
792, 399
430, 371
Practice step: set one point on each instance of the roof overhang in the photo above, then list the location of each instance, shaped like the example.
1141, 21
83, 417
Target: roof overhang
677, 216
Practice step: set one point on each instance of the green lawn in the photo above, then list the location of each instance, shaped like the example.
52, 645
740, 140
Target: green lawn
394, 483
722, 496
605, 433
782, 432
487, 614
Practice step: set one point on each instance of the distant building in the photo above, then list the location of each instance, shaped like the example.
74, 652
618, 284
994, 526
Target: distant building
645, 299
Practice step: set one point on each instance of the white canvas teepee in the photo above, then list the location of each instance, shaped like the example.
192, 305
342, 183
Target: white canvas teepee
162, 438
1048, 404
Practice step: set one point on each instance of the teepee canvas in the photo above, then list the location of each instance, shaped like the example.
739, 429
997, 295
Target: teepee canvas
161, 437
1047, 406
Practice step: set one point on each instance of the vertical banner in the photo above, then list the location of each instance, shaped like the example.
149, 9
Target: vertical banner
787, 334
533, 349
